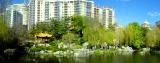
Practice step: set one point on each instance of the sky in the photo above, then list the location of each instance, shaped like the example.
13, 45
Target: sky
127, 11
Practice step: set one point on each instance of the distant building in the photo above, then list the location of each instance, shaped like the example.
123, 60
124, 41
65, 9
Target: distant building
105, 15
146, 24
44, 10
158, 24
17, 15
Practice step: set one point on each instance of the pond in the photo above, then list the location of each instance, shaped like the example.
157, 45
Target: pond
104, 58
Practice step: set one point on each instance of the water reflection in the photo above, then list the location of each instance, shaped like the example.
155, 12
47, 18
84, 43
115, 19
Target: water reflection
134, 58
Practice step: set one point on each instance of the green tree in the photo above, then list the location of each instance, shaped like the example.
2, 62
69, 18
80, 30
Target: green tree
69, 38
152, 37
59, 28
56, 27
96, 34
134, 35
4, 29
40, 27
120, 36
77, 25
7, 38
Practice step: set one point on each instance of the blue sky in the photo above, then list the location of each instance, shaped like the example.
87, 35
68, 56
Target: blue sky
131, 10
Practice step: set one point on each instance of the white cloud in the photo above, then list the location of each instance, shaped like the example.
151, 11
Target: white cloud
154, 14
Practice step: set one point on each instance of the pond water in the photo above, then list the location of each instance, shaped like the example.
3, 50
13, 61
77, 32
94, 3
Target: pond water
134, 58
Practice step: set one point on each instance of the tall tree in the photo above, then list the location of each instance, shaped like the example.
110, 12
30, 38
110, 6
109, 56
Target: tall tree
152, 37
134, 35
59, 28
96, 34
40, 27
7, 39
120, 36
77, 25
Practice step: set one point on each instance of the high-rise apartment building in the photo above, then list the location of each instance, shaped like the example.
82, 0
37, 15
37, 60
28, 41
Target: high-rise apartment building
17, 15
44, 10
146, 24
158, 24
105, 15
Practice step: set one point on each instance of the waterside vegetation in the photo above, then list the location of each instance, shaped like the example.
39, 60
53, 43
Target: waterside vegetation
79, 34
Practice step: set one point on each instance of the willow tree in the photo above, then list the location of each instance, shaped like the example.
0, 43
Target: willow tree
4, 30
69, 38
153, 37
97, 34
120, 36
134, 35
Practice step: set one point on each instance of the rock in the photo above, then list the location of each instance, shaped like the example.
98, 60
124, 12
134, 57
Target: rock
47, 45
42, 51
145, 49
60, 45
85, 45
41, 44
81, 52
9, 51
58, 53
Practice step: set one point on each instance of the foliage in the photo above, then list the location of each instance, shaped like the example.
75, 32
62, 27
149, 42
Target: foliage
55, 27
40, 48
4, 32
111, 51
152, 37
40, 27
96, 34
7, 38
120, 36
77, 25
133, 35
137, 43
69, 38
54, 43
59, 28
98, 52
78, 46
79, 29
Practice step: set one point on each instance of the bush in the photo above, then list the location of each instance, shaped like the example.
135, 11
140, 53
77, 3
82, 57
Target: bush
69, 38
137, 44
78, 46
98, 52
39, 48
111, 51
54, 43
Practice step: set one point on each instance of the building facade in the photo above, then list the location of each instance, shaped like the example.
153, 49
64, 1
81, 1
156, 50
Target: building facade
44, 10
17, 15
158, 24
146, 25
105, 15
